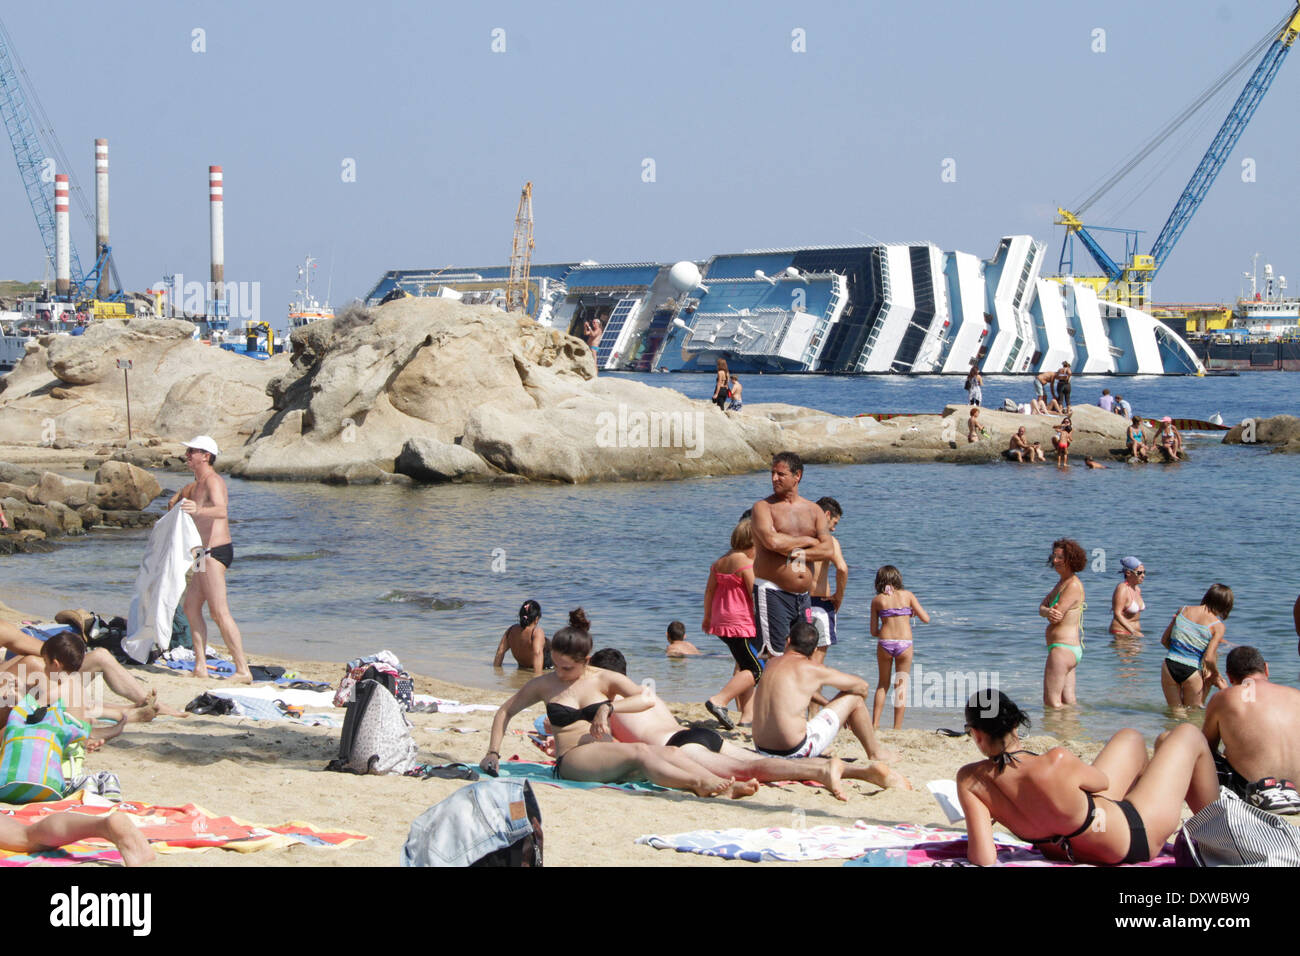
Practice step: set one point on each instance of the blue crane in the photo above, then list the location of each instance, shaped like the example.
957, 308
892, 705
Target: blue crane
36, 167
1132, 279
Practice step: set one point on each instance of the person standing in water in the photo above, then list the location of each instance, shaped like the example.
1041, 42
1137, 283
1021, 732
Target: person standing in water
1063, 607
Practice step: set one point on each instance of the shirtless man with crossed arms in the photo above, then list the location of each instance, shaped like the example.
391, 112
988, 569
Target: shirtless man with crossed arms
789, 532
205, 500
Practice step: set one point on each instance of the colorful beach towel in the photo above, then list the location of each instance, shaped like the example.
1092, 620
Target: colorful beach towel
544, 773
173, 829
811, 843
953, 853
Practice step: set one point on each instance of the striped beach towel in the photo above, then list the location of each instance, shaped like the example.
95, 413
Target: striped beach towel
32, 751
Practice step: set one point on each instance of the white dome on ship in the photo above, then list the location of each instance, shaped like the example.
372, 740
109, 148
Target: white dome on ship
684, 276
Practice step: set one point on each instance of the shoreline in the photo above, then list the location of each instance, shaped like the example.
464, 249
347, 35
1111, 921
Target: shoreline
271, 772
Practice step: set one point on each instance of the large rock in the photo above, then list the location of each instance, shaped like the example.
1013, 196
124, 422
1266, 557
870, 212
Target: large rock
179, 387
120, 486
24, 515
430, 460
66, 491
18, 475
69, 521
1280, 431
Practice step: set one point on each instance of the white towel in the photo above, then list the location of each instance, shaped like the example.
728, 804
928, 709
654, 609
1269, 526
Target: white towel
160, 584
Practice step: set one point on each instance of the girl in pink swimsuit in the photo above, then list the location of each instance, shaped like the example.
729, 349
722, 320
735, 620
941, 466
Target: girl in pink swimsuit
729, 615
892, 611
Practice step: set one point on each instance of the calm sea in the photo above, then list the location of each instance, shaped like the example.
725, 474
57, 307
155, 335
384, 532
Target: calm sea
333, 573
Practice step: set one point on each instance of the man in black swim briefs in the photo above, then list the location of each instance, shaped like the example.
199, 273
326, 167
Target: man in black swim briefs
1258, 723
206, 501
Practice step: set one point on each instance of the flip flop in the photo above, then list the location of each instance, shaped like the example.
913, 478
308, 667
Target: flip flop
950, 733
719, 715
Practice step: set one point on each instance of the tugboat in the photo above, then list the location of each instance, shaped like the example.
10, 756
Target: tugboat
305, 309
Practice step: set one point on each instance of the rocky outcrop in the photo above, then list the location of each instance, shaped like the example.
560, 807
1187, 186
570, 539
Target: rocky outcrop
53, 505
68, 391
1281, 432
429, 460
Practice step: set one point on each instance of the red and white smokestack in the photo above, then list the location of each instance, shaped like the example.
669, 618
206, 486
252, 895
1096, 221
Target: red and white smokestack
62, 246
101, 213
216, 206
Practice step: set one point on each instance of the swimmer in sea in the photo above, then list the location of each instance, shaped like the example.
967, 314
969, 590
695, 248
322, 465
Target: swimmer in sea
1126, 604
526, 641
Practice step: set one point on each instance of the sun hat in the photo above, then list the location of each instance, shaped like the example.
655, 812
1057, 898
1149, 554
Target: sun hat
1129, 564
203, 443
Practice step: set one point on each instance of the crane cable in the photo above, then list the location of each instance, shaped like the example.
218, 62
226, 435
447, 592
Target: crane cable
45, 128
1172, 126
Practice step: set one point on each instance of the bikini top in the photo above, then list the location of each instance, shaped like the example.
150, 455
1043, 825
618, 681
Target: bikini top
562, 715
1134, 607
896, 612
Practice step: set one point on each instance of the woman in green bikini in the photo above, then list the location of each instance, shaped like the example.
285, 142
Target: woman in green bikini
1063, 607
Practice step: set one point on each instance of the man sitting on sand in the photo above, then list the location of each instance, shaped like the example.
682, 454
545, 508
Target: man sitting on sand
1259, 724
24, 651
781, 699
659, 727
60, 676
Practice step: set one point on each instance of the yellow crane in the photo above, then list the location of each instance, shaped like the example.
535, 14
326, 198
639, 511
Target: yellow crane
521, 254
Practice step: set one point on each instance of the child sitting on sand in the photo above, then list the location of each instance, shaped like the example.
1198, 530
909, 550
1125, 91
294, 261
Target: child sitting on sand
892, 611
678, 645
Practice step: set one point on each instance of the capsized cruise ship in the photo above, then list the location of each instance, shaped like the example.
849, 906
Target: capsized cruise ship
895, 308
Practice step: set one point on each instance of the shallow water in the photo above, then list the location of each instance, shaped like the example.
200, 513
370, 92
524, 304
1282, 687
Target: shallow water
332, 573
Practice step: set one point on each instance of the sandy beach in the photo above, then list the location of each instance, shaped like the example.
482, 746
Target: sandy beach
271, 772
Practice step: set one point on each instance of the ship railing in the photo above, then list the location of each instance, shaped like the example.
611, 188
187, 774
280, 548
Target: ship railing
887, 298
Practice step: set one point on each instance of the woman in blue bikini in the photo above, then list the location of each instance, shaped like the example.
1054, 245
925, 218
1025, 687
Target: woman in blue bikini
578, 704
1063, 607
1193, 638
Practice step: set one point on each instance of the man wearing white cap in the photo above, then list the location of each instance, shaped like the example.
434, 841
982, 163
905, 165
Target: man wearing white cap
205, 500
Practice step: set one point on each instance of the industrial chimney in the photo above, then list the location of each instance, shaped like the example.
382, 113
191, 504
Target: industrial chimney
62, 253
101, 215
216, 208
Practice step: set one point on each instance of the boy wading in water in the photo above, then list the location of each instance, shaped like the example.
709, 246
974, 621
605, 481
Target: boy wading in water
205, 500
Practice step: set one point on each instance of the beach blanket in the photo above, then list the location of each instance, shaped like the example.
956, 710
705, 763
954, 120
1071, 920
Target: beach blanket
545, 773
811, 843
219, 667
953, 853
257, 708
170, 830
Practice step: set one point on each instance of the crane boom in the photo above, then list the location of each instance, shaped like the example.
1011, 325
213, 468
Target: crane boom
1131, 280
1224, 142
30, 154
521, 254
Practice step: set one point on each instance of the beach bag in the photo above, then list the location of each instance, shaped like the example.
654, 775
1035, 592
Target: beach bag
491, 823
1010, 405
36, 741
383, 667
1232, 832
376, 736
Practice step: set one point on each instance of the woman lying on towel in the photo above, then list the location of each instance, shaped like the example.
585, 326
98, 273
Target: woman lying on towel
578, 705
1121, 808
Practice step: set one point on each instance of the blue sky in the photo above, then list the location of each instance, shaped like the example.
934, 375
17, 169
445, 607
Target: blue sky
753, 143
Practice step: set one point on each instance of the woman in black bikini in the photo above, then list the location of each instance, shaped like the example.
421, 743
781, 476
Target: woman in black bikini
578, 705
1121, 808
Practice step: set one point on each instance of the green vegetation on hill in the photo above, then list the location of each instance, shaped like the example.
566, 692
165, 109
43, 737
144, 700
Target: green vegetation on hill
12, 288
